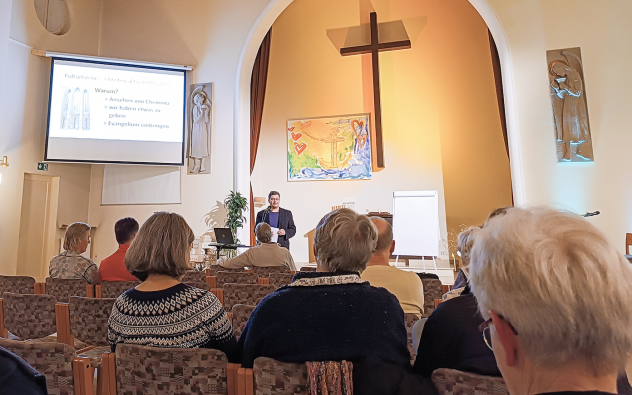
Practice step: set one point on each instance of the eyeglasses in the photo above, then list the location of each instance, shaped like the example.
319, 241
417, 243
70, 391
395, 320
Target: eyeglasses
485, 327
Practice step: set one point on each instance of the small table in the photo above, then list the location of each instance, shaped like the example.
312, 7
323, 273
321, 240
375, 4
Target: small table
219, 247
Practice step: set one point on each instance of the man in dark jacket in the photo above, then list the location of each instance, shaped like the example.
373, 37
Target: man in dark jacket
279, 218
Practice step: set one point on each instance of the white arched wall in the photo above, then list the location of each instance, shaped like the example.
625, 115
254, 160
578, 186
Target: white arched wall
264, 22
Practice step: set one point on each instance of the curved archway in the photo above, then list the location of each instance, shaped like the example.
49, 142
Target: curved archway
265, 20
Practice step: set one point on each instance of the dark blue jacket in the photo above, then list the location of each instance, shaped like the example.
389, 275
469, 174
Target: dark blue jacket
18, 377
286, 222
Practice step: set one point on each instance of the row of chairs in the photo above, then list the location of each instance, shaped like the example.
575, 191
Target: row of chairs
140, 369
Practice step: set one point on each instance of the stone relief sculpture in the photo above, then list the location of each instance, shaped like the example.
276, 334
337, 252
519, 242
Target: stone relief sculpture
200, 135
568, 98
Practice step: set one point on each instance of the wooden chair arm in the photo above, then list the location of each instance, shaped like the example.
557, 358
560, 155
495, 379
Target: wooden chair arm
62, 318
263, 281
90, 291
245, 382
3, 331
83, 374
39, 288
231, 372
108, 366
97, 291
211, 281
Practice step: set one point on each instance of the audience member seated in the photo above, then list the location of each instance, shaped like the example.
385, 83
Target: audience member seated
464, 246
406, 286
113, 267
162, 311
267, 253
451, 339
463, 277
70, 264
18, 377
556, 295
332, 314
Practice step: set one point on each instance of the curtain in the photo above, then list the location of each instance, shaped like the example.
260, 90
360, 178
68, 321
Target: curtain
258, 83
499, 88
500, 97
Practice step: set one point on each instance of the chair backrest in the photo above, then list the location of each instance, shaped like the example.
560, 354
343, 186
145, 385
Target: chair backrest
280, 279
17, 284
89, 319
194, 276
63, 289
308, 269
53, 360
274, 377
265, 271
29, 316
151, 370
432, 290
212, 270
410, 320
114, 289
250, 294
241, 314
199, 284
628, 243
455, 382
235, 277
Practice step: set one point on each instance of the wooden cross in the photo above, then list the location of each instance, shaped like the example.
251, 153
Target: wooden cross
374, 48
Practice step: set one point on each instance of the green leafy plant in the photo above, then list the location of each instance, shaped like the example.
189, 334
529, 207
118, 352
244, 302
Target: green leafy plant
236, 205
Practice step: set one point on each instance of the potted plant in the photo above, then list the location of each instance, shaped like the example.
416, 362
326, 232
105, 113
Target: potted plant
236, 204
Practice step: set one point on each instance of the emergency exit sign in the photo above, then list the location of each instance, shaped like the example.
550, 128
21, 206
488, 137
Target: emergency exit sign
42, 166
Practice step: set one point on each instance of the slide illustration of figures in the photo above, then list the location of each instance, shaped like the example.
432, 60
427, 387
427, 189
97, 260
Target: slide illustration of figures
64, 109
85, 116
75, 109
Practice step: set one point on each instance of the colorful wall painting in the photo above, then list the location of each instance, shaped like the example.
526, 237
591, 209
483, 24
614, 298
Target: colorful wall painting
331, 148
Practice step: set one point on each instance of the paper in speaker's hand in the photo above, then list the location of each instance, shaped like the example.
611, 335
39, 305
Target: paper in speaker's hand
275, 234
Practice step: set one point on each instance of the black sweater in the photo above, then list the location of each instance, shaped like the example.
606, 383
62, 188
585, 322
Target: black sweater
451, 339
350, 321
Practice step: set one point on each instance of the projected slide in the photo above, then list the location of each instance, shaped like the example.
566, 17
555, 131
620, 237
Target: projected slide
115, 113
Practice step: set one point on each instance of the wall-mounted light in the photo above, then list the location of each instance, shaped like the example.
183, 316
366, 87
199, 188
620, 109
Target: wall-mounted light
5, 162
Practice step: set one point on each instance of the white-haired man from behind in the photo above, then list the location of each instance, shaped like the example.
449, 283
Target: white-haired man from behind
556, 296
406, 286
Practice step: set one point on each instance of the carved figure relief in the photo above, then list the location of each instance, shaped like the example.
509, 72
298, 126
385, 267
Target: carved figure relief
200, 129
568, 98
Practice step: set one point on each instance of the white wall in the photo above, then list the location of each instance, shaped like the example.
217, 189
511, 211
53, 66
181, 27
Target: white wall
211, 35
602, 31
23, 101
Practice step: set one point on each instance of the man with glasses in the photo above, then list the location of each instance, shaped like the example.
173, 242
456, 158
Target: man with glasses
279, 219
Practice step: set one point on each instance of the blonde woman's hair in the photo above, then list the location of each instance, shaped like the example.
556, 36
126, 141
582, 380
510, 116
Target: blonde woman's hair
560, 283
75, 233
465, 243
345, 241
162, 246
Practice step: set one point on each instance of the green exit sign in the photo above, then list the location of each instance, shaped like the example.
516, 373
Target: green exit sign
42, 166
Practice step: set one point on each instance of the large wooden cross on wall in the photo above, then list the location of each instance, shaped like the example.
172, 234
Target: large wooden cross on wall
374, 48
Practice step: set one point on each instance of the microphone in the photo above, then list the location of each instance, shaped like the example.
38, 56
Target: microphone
591, 214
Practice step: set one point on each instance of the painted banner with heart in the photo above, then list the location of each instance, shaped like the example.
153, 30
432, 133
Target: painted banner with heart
329, 148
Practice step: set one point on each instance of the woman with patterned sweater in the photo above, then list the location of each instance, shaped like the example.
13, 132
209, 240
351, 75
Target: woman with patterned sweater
162, 311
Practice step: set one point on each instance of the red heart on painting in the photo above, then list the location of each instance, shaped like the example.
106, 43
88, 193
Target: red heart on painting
299, 148
290, 129
360, 137
296, 136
